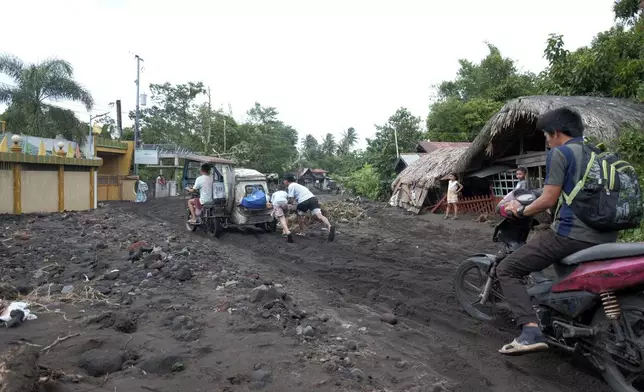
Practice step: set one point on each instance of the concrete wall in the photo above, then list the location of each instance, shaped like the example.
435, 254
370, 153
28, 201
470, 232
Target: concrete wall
127, 190
77, 191
39, 191
6, 191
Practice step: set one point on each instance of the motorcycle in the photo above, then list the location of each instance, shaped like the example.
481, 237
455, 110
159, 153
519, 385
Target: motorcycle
594, 306
206, 218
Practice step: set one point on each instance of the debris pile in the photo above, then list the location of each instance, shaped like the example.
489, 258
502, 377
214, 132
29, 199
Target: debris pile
344, 211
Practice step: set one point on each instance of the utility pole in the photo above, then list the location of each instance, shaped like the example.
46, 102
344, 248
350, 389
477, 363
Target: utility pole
209, 123
396, 139
224, 135
119, 120
136, 118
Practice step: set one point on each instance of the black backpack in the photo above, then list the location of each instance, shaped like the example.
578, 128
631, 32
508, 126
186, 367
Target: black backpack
608, 195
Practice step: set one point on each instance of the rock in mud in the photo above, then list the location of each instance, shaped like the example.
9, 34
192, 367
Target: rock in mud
308, 331
183, 274
389, 318
357, 374
67, 289
157, 265
8, 293
112, 275
151, 258
263, 293
19, 370
261, 375
351, 345
162, 364
100, 362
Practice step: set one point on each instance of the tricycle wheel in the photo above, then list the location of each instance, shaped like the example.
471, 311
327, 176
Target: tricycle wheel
217, 229
189, 226
270, 227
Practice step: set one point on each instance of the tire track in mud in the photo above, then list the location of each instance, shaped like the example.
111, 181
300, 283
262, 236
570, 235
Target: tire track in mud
405, 264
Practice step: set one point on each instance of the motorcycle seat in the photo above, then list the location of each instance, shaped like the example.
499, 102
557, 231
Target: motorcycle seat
613, 250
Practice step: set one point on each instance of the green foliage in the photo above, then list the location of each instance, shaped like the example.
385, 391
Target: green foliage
495, 78
365, 182
262, 142
611, 66
478, 91
630, 146
335, 157
29, 95
381, 150
455, 120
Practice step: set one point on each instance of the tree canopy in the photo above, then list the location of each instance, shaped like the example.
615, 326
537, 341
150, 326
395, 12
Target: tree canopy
30, 95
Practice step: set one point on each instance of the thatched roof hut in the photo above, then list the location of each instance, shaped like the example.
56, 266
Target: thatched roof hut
413, 184
602, 117
430, 168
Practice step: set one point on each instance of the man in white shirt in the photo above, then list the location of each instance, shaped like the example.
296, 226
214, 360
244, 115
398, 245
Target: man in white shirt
203, 184
306, 201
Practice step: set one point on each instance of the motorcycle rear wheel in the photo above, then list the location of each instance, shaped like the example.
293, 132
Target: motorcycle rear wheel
618, 379
472, 304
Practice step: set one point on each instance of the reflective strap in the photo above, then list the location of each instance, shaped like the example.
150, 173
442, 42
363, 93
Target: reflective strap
580, 184
621, 169
611, 181
605, 169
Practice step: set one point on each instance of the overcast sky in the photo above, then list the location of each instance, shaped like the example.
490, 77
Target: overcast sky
325, 65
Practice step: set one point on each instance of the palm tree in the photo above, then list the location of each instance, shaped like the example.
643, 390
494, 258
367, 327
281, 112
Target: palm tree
328, 145
349, 139
310, 147
34, 86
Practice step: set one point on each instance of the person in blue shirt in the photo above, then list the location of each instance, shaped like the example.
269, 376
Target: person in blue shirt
563, 129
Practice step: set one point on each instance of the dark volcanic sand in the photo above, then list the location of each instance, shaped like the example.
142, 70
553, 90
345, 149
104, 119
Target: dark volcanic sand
192, 317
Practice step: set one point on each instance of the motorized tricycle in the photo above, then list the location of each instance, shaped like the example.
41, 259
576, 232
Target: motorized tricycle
230, 186
594, 307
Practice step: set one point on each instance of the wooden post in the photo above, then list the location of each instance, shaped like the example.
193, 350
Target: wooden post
91, 188
61, 188
17, 191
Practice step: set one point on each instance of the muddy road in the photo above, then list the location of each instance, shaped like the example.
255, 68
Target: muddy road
397, 263
372, 311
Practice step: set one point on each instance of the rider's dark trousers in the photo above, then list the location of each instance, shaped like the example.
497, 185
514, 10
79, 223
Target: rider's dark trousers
538, 254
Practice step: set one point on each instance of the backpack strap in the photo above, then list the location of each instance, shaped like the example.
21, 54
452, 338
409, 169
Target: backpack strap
580, 184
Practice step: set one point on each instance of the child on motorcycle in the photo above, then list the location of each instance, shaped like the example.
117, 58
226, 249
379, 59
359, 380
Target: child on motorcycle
203, 184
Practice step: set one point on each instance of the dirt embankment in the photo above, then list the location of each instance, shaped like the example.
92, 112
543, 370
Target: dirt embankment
373, 311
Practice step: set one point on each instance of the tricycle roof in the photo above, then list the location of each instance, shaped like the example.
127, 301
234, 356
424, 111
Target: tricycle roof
249, 174
208, 159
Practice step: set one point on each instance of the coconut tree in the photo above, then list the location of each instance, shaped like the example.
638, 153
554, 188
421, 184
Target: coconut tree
33, 89
328, 145
349, 139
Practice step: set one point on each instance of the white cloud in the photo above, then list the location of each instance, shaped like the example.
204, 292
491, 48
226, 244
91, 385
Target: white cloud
326, 66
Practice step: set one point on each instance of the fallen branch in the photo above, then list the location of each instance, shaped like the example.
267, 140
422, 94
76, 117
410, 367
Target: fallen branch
58, 340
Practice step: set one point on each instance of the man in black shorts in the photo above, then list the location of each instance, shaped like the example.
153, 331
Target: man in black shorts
306, 201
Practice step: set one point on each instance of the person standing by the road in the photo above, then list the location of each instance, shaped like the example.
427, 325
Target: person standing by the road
453, 189
306, 201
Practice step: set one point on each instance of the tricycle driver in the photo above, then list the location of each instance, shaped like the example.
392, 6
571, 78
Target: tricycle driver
203, 184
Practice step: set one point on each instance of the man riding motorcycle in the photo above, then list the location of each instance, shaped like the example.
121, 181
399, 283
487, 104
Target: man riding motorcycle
563, 129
